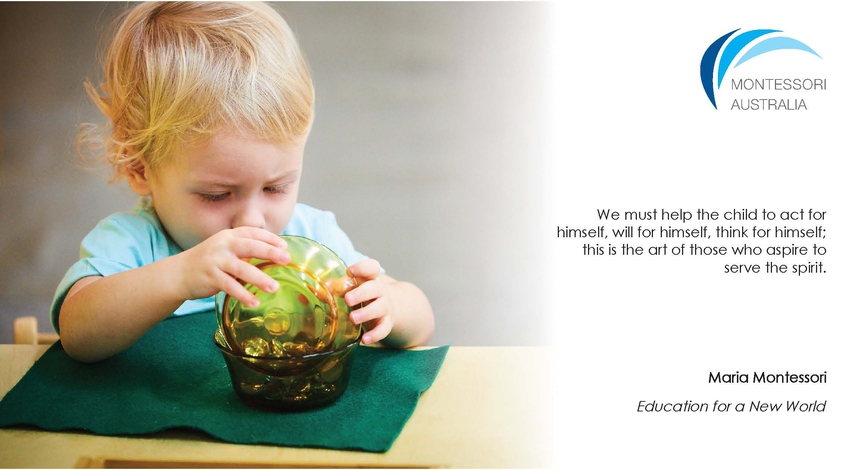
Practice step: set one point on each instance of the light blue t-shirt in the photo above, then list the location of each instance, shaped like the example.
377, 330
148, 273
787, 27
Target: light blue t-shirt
131, 239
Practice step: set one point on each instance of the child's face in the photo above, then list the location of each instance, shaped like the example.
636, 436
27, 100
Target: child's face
233, 181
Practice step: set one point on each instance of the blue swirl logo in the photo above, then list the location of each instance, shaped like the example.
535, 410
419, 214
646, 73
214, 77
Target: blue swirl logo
762, 45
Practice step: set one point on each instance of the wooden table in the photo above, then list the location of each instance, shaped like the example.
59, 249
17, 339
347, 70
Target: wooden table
488, 407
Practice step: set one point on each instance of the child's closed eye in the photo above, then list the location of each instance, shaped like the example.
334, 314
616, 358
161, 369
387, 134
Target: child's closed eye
213, 197
279, 189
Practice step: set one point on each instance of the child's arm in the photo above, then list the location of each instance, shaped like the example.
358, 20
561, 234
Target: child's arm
396, 313
102, 316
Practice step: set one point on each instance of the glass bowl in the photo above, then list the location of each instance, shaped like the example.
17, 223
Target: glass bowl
288, 384
307, 315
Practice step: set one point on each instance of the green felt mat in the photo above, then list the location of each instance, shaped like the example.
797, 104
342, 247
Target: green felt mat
175, 377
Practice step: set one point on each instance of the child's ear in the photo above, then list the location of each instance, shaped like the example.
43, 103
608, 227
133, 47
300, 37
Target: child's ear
137, 177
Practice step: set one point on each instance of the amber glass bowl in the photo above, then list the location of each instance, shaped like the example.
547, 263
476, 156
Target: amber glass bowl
293, 384
292, 350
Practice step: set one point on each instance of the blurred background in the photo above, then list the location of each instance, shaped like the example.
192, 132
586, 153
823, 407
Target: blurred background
427, 145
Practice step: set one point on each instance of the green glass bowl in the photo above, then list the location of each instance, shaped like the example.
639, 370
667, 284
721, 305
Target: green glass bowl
307, 315
293, 384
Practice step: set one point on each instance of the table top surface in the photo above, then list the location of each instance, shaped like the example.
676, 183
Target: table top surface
488, 407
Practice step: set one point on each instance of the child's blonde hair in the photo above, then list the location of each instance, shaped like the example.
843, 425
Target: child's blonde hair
175, 73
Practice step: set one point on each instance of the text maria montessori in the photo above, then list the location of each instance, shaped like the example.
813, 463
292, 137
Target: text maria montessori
765, 378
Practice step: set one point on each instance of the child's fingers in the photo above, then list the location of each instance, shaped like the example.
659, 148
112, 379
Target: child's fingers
366, 269
236, 290
261, 235
380, 331
250, 274
372, 311
252, 248
363, 293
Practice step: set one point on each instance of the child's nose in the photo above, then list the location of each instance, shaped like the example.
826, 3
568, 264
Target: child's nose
251, 215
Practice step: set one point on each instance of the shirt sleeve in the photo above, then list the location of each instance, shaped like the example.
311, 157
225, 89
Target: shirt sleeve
118, 243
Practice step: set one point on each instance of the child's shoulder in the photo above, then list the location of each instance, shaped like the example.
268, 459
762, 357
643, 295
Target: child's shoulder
307, 220
317, 224
321, 225
135, 230
141, 220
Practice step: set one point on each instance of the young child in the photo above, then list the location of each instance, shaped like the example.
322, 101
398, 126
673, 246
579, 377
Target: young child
210, 105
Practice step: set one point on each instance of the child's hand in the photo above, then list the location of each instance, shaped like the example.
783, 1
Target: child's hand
371, 291
219, 263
